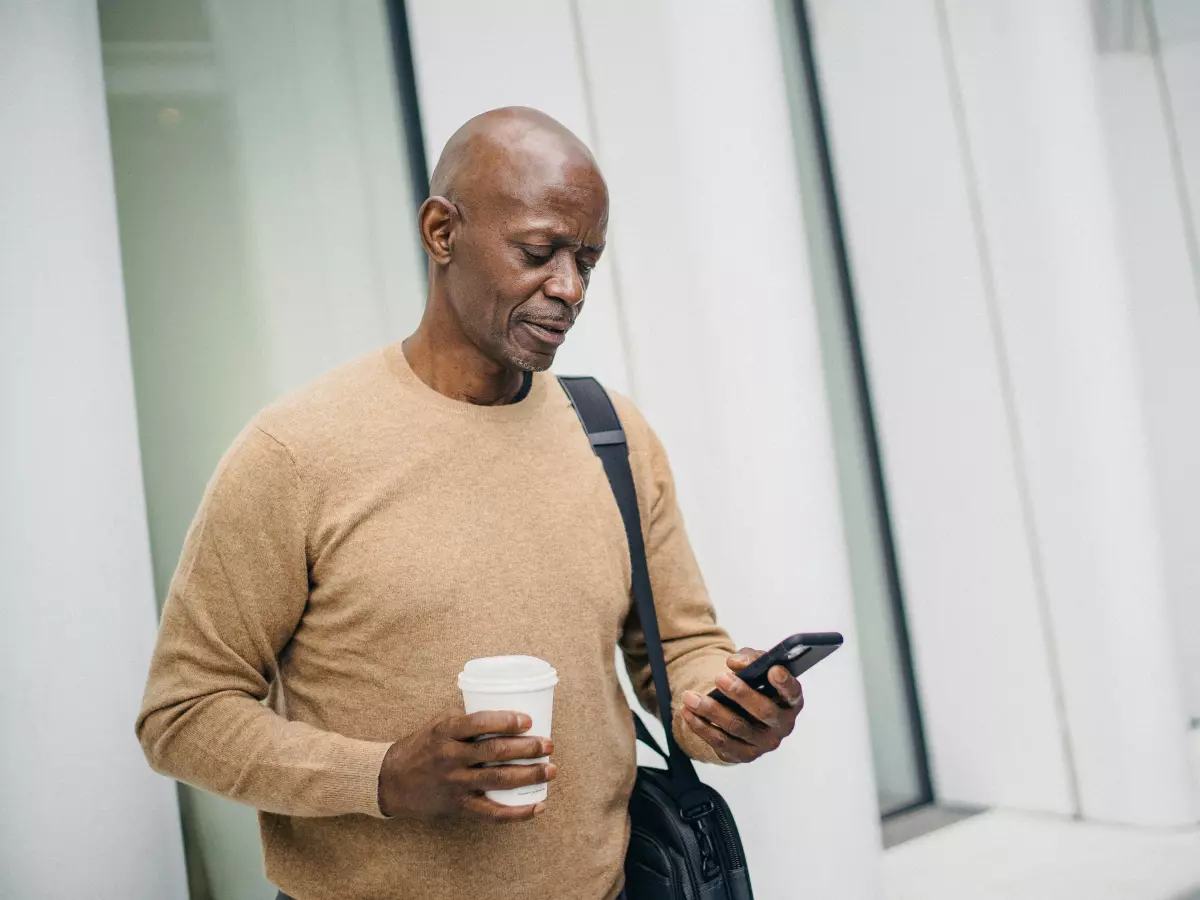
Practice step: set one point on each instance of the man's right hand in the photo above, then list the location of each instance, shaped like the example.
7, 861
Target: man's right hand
436, 771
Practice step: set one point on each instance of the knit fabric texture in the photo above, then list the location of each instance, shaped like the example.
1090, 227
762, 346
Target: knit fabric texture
361, 540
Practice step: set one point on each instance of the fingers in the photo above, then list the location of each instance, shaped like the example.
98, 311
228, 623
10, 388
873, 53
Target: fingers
729, 748
786, 685
723, 718
783, 681
481, 806
503, 778
463, 728
762, 708
743, 658
493, 750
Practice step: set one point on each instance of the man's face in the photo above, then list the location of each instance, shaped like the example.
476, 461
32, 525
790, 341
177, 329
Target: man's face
522, 258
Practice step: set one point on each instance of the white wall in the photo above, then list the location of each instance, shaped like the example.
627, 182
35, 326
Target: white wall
982, 218
966, 555
1151, 104
1031, 95
1178, 23
82, 813
687, 103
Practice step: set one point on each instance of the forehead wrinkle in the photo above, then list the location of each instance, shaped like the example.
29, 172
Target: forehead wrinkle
553, 230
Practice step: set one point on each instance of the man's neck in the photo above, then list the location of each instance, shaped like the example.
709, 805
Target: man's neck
461, 372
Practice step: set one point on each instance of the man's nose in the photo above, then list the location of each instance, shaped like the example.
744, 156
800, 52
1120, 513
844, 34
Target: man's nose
566, 284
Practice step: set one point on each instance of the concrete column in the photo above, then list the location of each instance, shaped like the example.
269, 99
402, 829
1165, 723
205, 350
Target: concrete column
1152, 114
1151, 91
967, 557
83, 814
1031, 100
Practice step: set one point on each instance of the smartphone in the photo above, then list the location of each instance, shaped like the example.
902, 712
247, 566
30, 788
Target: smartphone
797, 654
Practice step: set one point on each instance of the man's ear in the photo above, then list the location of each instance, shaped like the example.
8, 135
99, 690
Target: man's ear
438, 219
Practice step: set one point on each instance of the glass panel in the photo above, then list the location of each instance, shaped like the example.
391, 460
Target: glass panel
268, 233
896, 742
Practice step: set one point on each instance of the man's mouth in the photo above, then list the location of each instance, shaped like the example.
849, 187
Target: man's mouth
553, 333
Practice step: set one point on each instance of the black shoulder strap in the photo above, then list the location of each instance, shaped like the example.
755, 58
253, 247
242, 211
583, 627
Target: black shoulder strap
603, 427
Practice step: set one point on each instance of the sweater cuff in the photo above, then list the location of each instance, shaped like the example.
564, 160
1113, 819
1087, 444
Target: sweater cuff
353, 784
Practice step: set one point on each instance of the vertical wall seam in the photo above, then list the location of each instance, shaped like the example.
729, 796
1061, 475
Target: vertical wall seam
1008, 395
810, 91
1174, 147
592, 118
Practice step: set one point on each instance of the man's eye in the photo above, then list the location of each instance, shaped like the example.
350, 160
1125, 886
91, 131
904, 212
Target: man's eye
585, 269
536, 258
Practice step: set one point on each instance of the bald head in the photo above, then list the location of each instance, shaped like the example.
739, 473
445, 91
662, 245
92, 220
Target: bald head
513, 227
508, 151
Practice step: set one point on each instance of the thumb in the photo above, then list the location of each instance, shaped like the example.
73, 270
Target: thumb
743, 658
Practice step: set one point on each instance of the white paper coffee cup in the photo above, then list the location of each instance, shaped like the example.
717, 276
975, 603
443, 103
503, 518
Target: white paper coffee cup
518, 684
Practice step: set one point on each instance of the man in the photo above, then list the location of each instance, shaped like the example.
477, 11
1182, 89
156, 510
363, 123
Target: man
434, 502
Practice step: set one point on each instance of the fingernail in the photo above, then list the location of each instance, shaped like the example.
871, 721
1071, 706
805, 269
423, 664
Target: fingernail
725, 682
778, 677
691, 699
551, 771
738, 658
539, 809
524, 722
547, 747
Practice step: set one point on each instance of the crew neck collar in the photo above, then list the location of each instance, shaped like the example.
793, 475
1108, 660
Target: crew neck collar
399, 366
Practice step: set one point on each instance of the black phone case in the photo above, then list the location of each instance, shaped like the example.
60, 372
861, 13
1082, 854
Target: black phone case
819, 644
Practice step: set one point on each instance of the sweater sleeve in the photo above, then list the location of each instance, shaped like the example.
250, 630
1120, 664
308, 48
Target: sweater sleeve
235, 600
695, 646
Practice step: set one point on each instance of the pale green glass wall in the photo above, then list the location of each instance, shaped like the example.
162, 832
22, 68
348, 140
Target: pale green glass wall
267, 230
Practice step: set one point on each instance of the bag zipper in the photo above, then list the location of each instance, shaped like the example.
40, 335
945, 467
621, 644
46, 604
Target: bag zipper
733, 846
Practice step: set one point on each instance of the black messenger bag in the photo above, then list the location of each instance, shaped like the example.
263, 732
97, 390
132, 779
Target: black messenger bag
684, 844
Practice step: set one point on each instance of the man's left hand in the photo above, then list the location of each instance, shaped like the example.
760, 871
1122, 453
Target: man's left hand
737, 738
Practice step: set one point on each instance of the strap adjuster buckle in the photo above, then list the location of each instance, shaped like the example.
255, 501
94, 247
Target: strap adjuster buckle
699, 811
606, 438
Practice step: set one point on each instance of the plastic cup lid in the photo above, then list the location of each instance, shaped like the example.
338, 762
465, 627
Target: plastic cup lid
504, 674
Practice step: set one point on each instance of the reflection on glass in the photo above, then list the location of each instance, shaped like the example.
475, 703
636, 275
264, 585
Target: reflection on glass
267, 234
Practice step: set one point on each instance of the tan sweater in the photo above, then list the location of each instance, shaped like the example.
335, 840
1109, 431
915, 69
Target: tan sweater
361, 540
